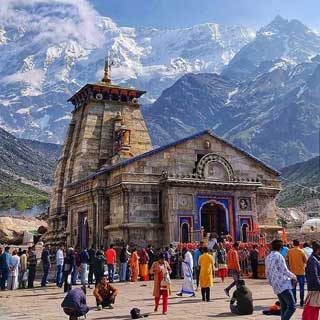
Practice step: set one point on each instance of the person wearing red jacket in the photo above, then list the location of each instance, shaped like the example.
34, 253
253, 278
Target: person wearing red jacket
110, 256
233, 266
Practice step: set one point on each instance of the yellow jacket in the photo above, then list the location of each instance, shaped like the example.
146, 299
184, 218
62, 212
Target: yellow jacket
206, 270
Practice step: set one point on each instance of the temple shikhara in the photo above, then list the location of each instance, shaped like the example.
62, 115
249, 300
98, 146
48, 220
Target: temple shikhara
112, 186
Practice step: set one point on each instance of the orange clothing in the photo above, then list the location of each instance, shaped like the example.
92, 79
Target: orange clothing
275, 307
233, 260
158, 270
297, 260
134, 266
110, 256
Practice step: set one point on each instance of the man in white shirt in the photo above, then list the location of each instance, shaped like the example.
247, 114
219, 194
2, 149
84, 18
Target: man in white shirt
307, 250
280, 278
213, 241
59, 265
13, 271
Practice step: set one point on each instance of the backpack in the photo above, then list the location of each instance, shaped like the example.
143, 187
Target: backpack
135, 313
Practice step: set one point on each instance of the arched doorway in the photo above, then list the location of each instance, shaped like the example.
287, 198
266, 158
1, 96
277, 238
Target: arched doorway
83, 231
185, 238
214, 219
244, 232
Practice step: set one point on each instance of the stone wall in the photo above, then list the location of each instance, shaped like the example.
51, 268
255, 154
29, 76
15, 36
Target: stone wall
181, 159
304, 237
89, 144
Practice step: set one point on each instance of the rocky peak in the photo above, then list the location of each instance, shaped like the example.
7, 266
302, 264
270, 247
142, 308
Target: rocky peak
282, 39
277, 24
283, 27
272, 113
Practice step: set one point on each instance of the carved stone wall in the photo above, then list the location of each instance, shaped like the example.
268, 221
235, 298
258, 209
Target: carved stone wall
183, 160
89, 144
142, 202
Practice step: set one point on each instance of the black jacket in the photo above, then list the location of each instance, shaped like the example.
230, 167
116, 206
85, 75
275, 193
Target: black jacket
69, 263
92, 254
243, 297
98, 265
313, 273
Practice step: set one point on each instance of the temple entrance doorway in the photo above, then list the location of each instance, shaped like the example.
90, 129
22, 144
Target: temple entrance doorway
83, 230
214, 219
244, 232
185, 236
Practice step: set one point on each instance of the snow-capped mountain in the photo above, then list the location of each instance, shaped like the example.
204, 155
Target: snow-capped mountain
289, 40
275, 116
49, 49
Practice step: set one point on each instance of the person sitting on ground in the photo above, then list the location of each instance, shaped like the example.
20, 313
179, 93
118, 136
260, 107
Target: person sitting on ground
105, 294
74, 304
241, 302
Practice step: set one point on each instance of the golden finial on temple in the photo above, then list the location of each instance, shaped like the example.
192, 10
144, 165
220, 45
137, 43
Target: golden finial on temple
107, 68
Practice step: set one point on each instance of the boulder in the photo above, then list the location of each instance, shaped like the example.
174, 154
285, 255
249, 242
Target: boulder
12, 228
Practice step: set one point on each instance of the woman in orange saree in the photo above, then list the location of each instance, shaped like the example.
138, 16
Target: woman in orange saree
134, 265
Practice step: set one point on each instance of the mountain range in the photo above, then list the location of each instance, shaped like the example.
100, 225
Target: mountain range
257, 89
50, 49
268, 107
301, 185
26, 172
289, 40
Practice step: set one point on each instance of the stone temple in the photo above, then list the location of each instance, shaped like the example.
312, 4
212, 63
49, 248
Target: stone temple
112, 186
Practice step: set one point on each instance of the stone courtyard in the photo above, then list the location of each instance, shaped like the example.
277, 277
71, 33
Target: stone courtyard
44, 303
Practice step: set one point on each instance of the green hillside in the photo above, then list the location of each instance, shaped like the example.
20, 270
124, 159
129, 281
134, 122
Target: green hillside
26, 172
301, 182
14, 194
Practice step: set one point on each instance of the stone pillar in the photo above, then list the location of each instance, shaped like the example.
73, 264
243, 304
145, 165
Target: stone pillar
167, 215
57, 205
101, 212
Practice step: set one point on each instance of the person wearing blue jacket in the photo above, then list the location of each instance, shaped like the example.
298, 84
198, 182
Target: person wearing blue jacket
312, 302
5, 258
75, 303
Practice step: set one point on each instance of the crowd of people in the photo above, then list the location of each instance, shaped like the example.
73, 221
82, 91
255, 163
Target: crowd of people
286, 266
17, 268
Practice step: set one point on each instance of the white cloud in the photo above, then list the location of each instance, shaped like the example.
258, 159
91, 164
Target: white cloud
32, 77
33, 80
54, 21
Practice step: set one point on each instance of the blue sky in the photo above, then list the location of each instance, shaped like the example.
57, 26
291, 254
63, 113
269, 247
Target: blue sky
183, 13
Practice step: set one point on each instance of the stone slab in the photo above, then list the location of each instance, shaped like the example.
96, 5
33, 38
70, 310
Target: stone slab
44, 303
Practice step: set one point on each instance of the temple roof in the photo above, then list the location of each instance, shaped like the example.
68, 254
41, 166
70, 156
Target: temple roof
172, 144
104, 86
91, 89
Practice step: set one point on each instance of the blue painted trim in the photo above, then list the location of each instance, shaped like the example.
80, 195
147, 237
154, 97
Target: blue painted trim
200, 199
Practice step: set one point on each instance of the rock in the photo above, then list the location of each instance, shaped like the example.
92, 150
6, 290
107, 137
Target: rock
12, 228
42, 229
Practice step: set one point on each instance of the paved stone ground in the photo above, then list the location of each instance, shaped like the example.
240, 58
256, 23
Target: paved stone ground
44, 303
